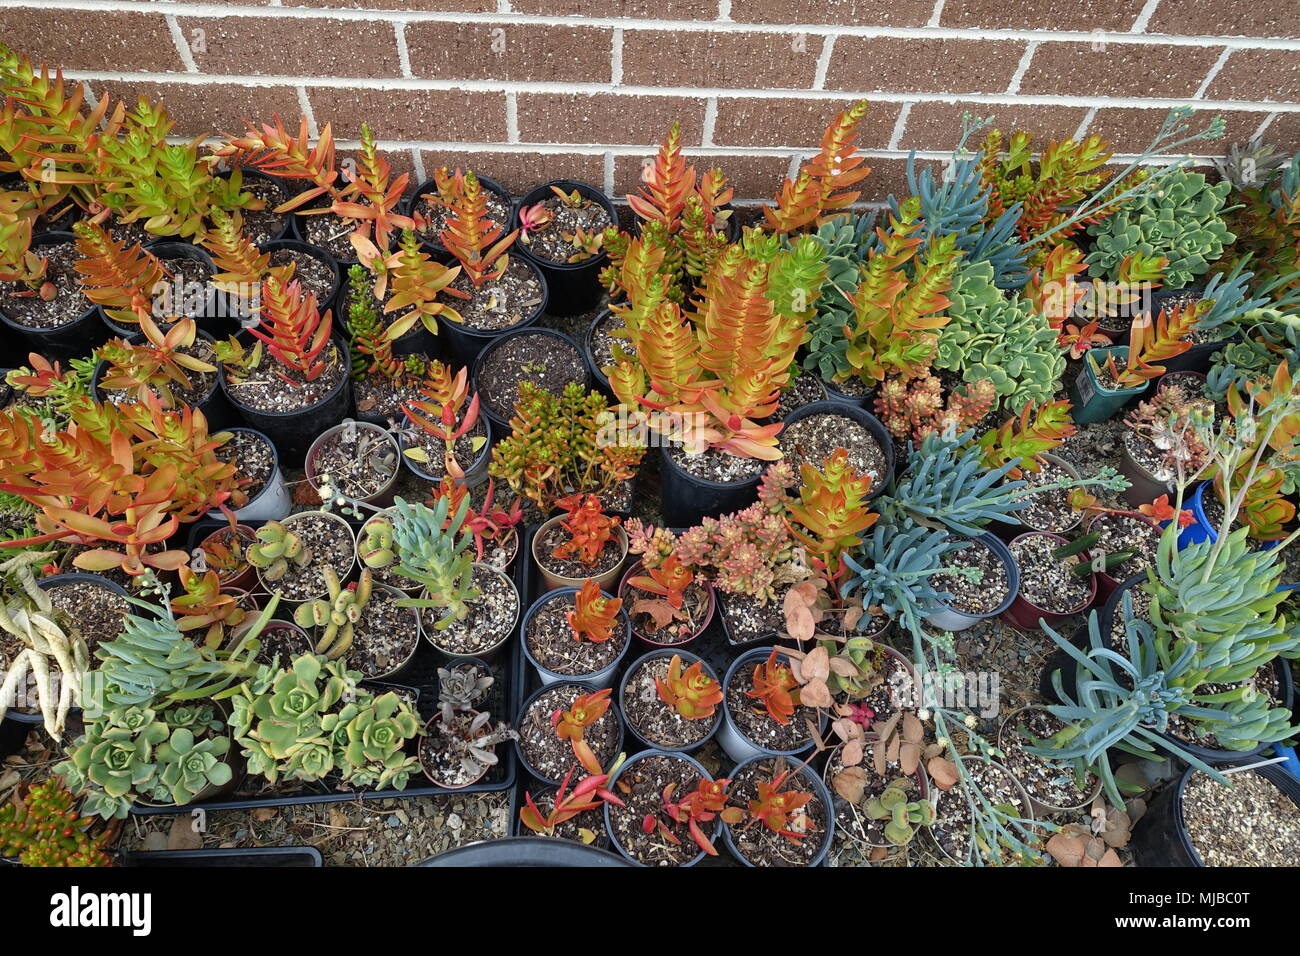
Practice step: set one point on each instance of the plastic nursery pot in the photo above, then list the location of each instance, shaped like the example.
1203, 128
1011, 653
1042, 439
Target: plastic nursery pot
214, 405
526, 851
595, 372
739, 747
430, 729
1112, 606
475, 475
276, 857
687, 660
921, 778
587, 688
289, 522
1200, 356
79, 335
273, 501
293, 432
1235, 758
600, 679
950, 619
1201, 529
1024, 615
488, 653
1107, 584
1160, 838
196, 303
463, 344
1027, 814
1094, 402
234, 759
331, 299
862, 417
553, 580
501, 426
1143, 487
246, 578
574, 286
821, 792
1192, 381
1007, 531
710, 608
834, 394
1005, 731
632, 762
395, 672
684, 499
411, 205
381, 497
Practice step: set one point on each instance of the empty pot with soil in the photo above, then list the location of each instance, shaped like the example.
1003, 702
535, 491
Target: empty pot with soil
256, 460
671, 701
640, 784
1120, 534
1197, 821
1050, 588
565, 643
548, 359
813, 433
803, 837
664, 616
568, 708
1049, 509
985, 593
488, 624
1052, 786
761, 715
291, 555
356, 460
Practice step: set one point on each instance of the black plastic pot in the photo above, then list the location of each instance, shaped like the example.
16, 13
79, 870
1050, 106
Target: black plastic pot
1235, 758
823, 794
331, 301
261, 856
71, 212
430, 185
862, 417
72, 340
1160, 838
293, 432
170, 250
687, 660
684, 499
248, 174
526, 852
462, 345
598, 377
574, 286
501, 426
475, 475
833, 394
578, 772
215, 405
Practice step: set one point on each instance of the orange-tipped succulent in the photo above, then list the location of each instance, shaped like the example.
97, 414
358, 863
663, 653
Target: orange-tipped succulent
589, 793
817, 192
471, 235
776, 687
704, 804
572, 724
593, 615
776, 807
589, 530
832, 511
692, 693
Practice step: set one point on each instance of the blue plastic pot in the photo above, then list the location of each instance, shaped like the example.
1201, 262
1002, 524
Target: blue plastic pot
950, 619
822, 793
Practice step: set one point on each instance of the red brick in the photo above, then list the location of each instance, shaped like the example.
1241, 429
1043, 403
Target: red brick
927, 65
744, 121
442, 6
1284, 133
642, 9
1266, 75
1109, 15
521, 171
92, 40
752, 177
1120, 69
1132, 130
486, 51
735, 60
210, 108
294, 47
1259, 18
895, 13
429, 115
594, 118
939, 125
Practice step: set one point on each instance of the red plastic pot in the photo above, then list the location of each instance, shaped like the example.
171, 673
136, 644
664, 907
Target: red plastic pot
709, 609
1024, 615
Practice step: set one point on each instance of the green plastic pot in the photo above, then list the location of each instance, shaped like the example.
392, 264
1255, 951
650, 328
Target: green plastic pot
1094, 402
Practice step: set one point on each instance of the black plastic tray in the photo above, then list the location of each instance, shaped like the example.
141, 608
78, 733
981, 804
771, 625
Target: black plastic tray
267, 856
506, 697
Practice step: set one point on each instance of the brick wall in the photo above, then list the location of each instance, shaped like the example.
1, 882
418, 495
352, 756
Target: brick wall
526, 90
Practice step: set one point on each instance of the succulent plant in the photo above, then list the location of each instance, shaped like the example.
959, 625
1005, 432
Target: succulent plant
187, 764
473, 741
846, 240
369, 737
376, 545
42, 829
461, 688
893, 569
1181, 220
1251, 165
434, 550
691, 693
274, 549
903, 815
1000, 338
1267, 227
915, 408
338, 614
594, 613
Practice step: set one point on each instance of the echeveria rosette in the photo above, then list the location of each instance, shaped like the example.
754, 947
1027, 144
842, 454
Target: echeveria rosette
1181, 218
189, 765
999, 337
371, 739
